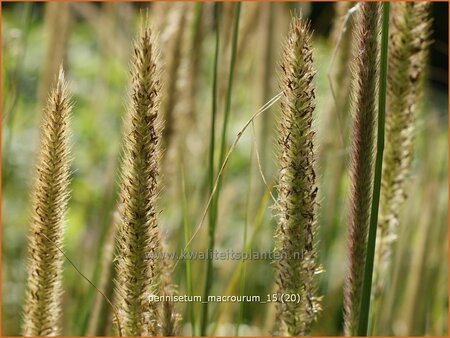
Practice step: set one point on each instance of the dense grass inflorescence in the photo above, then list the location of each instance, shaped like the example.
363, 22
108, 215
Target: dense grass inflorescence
408, 51
366, 69
297, 203
42, 310
140, 273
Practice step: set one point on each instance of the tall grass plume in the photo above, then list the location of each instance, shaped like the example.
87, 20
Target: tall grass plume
297, 203
408, 51
364, 101
42, 309
140, 273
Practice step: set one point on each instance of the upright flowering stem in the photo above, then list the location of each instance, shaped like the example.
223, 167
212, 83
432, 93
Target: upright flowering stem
408, 51
371, 240
42, 308
367, 34
297, 204
140, 273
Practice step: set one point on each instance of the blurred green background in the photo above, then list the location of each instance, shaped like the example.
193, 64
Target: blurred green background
94, 41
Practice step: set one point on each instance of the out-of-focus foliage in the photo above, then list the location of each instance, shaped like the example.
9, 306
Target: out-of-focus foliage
97, 46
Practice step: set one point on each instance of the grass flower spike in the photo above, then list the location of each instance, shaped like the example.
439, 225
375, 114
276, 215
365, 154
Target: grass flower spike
408, 51
366, 68
297, 187
139, 271
42, 309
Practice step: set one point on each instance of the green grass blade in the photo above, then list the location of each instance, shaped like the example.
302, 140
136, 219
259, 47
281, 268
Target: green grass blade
234, 42
242, 263
367, 286
211, 230
187, 236
229, 91
213, 210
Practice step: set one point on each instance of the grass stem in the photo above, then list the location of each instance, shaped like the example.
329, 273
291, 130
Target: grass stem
187, 235
234, 42
211, 230
213, 210
367, 284
242, 264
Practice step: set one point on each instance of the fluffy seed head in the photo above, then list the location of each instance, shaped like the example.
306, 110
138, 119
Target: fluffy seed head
366, 65
408, 51
297, 267
138, 236
42, 308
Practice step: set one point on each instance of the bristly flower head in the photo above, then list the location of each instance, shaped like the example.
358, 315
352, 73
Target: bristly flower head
297, 204
140, 273
408, 50
42, 309
364, 100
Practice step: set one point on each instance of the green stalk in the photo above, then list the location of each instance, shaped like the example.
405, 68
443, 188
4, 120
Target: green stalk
214, 204
187, 236
368, 271
242, 264
195, 59
230, 82
234, 42
211, 230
